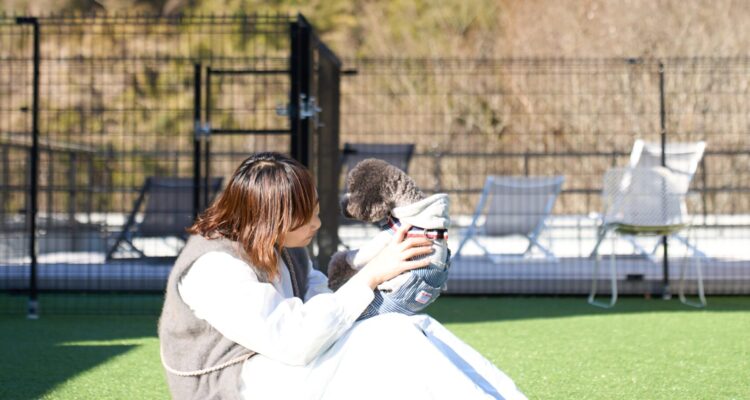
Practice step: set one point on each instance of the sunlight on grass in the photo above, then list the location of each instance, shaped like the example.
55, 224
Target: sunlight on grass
684, 354
135, 374
553, 348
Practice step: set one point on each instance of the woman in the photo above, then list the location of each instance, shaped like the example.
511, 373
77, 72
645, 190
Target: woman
246, 316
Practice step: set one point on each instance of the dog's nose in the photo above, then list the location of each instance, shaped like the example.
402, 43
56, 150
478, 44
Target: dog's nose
343, 204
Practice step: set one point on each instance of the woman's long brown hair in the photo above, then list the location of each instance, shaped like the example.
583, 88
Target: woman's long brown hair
268, 196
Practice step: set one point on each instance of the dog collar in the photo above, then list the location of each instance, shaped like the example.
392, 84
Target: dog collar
393, 224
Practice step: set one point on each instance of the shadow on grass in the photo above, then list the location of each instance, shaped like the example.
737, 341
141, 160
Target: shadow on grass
39, 355
458, 309
84, 303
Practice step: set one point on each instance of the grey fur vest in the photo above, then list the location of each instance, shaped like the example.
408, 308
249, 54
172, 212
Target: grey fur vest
200, 362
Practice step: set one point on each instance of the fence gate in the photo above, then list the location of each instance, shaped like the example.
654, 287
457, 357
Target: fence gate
289, 105
97, 126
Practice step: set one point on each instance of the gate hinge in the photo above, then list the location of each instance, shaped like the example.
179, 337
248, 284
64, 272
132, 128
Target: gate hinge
307, 106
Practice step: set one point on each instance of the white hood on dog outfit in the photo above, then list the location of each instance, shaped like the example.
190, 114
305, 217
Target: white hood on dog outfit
429, 213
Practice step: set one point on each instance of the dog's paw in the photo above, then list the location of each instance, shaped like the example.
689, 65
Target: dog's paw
339, 270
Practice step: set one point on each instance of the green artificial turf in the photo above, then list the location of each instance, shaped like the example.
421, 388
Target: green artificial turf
80, 357
554, 348
641, 349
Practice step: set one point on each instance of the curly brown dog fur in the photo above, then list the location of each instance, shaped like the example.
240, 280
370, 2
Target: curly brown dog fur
375, 187
339, 271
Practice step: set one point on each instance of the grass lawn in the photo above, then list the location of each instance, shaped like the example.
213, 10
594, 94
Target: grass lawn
554, 348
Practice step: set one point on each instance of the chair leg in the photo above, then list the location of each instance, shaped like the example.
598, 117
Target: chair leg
487, 254
465, 239
485, 251
600, 234
651, 255
534, 242
613, 279
111, 251
116, 246
692, 248
699, 279
533, 239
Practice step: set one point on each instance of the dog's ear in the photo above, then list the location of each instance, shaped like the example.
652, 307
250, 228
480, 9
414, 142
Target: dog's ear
370, 207
370, 185
380, 211
365, 203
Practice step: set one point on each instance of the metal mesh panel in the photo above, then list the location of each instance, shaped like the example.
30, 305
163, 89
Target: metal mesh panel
578, 118
117, 108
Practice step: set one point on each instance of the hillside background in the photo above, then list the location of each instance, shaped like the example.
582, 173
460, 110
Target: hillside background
481, 28
572, 103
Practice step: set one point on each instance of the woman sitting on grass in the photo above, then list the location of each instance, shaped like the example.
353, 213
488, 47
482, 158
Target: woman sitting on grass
246, 316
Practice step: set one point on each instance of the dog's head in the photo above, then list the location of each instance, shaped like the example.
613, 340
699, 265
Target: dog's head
375, 188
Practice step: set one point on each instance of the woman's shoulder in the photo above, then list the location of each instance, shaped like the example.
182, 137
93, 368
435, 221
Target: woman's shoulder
220, 257
205, 244
198, 246
220, 264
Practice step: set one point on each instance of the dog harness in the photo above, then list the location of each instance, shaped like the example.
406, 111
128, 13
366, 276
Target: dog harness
393, 224
422, 285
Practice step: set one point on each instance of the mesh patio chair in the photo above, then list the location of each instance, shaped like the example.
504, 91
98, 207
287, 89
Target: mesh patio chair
642, 201
168, 211
682, 159
513, 205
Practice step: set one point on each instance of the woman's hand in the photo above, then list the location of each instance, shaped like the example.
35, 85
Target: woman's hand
394, 258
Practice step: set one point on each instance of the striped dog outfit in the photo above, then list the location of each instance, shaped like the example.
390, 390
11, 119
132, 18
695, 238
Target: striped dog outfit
412, 291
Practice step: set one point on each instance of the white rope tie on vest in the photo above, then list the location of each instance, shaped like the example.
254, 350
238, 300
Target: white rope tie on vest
203, 371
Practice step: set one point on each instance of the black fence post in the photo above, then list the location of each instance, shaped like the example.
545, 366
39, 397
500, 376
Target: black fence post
197, 133
666, 293
328, 162
33, 305
72, 187
300, 70
206, 135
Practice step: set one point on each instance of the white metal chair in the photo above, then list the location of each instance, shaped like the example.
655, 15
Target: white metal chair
643, 201
513, 205
682, 159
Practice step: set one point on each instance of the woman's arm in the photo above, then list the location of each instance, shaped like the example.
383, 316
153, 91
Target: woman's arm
395, 258
224, 291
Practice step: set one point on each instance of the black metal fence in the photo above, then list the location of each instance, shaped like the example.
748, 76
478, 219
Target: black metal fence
100, 114
117, 130
574, 118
